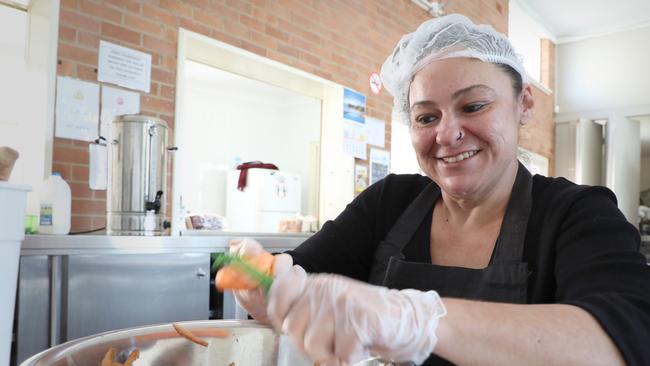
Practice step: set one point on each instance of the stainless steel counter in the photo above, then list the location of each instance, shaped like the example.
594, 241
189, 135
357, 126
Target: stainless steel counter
72, 286
196, 243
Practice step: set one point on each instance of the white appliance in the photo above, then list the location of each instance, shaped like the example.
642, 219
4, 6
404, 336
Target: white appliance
12, 232
269, 196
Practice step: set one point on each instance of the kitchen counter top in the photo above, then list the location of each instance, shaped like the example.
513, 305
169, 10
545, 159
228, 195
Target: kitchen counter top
203, 243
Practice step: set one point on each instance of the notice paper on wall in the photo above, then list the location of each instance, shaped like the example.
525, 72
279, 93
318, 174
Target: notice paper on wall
77, 109
375, 131
379, 165
360, 178
124, 66
116, 102
354, 106
354, 140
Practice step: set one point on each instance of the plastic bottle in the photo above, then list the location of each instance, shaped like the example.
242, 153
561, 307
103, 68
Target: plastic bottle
55, 206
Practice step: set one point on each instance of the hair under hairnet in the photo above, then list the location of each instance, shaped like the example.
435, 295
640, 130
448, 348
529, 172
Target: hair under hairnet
449, 36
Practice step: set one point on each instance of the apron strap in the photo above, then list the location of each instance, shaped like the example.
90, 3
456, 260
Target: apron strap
402, 231
510, 243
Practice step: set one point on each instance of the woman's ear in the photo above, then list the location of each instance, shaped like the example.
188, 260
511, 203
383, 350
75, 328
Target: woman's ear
527, 104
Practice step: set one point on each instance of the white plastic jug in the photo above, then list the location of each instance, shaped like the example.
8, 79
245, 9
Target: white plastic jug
55, 206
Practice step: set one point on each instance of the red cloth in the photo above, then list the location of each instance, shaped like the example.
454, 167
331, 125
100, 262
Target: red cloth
243, 168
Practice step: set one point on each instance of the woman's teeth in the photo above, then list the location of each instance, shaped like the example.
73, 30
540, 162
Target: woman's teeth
460, 157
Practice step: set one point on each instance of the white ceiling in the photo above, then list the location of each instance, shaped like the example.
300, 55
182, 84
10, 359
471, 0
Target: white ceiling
570, 20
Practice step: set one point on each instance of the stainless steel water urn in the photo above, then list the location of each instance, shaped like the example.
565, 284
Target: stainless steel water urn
138, 176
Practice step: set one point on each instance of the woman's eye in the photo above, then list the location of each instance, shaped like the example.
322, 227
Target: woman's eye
426, 119
474, 107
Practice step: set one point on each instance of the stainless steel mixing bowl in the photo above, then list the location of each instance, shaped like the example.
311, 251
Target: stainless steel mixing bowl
249, 344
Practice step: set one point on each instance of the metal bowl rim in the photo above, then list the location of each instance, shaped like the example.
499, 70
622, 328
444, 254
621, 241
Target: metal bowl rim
53, 353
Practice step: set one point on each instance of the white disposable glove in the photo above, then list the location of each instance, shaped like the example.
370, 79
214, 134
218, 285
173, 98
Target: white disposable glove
254, 301
338, 320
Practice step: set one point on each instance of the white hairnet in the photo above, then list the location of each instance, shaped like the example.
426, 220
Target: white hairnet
449, 36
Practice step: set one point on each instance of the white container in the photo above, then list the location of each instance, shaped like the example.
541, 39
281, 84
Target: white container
269, 196
55, 206
12, 232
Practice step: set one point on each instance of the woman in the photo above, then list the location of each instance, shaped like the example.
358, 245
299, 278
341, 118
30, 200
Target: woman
477, 262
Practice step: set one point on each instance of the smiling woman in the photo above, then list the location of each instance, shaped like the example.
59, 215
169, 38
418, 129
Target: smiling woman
478, 262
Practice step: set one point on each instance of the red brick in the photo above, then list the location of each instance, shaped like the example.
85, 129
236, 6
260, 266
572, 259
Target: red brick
239, 6
140, 24
169, 62
130, 5
253, 48
168, 92
176, 7
99, 194
87, 72
79, 21
170, 34
308, 35
87, 206
310, 58
77, 54
162, 47
101, 11
69, 4
251, 23
62, 154
154, 13
222, 11
67, 34
163, 76
276, 33
79, 173
80, 190
235, 29
63, 169
120, 33
288, 50
211, 20
89, 40
264, 41
194, 26
200, 4
79, 223
157, 104
98, 221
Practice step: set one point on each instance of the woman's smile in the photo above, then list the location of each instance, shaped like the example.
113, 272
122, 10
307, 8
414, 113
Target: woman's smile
457, 158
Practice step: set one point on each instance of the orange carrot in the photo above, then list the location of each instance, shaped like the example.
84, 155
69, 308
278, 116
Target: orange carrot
135, 354
108, 357
232, 278
189, 335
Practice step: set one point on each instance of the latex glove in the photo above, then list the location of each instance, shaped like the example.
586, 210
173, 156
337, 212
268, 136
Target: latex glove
337, 320
254, 301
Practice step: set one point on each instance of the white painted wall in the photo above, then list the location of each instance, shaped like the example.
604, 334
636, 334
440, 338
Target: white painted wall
589, 138
605, 72
565, 150
645, 174
402, 155
623, 162
27, 71
224, 125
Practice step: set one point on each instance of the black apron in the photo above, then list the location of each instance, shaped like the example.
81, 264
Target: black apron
503, 280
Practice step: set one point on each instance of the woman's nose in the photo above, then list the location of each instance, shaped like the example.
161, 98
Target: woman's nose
449, 133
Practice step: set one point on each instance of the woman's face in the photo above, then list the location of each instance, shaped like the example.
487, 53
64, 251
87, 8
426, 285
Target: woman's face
465, 124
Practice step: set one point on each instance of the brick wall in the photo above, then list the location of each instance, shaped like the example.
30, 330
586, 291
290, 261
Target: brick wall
339, 40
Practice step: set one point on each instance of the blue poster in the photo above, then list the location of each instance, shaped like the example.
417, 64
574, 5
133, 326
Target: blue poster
354, 106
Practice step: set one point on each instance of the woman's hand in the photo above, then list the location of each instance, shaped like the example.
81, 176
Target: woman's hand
337, 320
254, 300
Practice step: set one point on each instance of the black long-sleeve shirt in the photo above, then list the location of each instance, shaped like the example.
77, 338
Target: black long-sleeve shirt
579, 247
